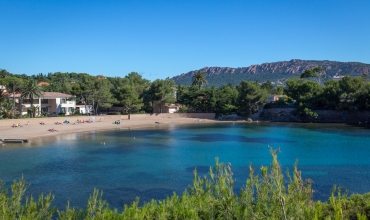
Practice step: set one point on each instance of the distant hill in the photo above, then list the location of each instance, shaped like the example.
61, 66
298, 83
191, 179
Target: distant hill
275, 72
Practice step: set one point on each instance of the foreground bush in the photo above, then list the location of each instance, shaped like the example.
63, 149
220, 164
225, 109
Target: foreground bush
268, 196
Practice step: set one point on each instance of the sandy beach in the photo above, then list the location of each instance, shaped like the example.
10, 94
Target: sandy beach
36, 130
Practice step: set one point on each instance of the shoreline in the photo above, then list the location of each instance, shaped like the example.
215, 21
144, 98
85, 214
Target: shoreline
35, 130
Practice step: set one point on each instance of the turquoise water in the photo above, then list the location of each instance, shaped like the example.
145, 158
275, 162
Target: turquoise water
154, 163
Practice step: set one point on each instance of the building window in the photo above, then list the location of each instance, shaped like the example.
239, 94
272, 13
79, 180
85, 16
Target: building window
63, 101
44, 101
63, 110
70, 109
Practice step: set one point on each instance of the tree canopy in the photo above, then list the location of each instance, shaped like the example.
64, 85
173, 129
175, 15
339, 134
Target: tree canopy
135, 94
315, 73
162, 91
13, 85
199, 79
251, 96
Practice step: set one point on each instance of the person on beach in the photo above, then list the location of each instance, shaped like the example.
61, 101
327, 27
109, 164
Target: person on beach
16, 125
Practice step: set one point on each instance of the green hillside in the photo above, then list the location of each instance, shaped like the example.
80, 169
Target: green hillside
275, 72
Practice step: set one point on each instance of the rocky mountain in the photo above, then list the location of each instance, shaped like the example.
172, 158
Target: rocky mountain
275, 72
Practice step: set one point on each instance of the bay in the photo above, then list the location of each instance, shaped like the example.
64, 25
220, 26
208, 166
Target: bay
154, 163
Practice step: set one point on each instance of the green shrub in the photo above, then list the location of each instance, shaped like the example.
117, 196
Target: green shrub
14, 206
44, 114
25, 116
305, 114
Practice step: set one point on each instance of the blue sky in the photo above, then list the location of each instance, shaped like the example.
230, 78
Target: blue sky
160, 39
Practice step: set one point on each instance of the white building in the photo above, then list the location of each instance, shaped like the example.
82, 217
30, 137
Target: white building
165, 108
54, 103
336, 77
82, 109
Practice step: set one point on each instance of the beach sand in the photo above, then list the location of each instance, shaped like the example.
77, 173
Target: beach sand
106, 122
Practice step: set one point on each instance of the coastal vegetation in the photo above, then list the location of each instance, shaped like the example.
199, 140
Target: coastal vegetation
134, 94
347, 94
267, 195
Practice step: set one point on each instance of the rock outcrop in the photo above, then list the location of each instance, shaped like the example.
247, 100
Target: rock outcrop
275, 72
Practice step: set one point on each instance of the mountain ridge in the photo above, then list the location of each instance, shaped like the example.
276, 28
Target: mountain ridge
274, 71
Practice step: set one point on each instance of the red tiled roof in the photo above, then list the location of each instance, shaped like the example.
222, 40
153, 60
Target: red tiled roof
55, 95
43, 83
11, 94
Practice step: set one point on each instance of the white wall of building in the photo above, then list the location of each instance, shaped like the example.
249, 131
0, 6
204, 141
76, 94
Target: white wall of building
65, 106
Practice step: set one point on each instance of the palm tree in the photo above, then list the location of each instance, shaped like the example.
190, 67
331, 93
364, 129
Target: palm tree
34, 109
31, 90
7, 110
199, 79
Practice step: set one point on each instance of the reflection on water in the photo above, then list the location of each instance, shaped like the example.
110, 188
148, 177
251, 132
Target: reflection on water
154, 163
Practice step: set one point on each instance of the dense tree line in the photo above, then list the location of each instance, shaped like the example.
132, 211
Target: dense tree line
347, 94
132, 92
135, 94
270, 195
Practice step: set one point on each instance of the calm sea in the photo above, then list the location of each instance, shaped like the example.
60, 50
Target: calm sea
154, 163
